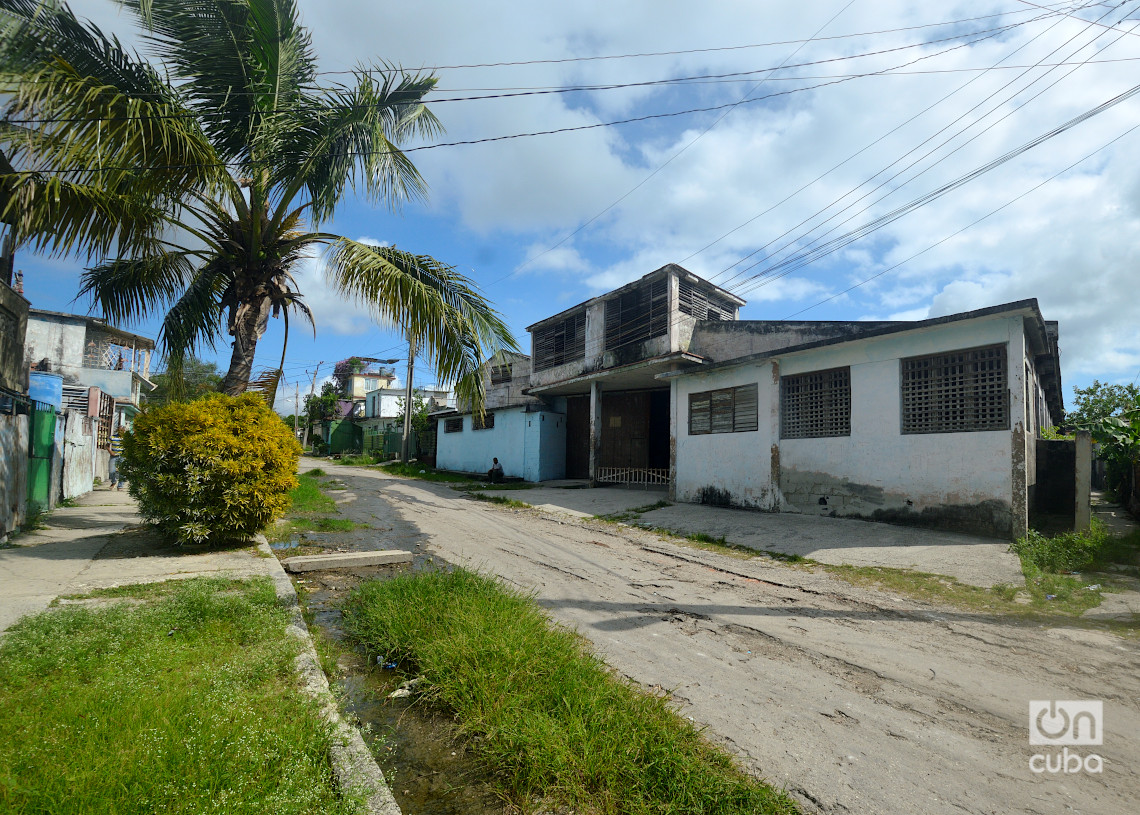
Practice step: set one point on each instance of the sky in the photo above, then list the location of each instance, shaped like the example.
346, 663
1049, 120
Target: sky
760, 132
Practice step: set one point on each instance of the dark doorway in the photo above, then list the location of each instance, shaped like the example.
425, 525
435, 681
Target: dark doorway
578, 437
635, 429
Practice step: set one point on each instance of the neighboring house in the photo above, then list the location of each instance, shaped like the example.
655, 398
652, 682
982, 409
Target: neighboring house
384, 409
658, 383
88, 353
14, 406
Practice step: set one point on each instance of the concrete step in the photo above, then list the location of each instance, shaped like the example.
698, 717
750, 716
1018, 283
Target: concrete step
344, 560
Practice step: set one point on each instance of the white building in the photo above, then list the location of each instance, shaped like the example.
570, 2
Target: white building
657, 383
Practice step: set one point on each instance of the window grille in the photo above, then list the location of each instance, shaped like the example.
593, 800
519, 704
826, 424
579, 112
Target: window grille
702, 304
956, 392
727, 410
560, 342
816, 404
486, 423
501, 374
639, 314
453, 425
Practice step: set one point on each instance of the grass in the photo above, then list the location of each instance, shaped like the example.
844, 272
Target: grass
184, 704
308, 497
352, 460
556, 727
423, 472
502, 500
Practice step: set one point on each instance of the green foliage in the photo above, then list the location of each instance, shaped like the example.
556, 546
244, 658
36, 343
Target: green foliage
420, 409
322, 407
187, 703
556, 726
217, 468
1054, 434
1099, 401
198, 378
1067, 552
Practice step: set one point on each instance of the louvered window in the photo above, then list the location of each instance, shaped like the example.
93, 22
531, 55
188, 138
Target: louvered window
956, 392
560, 342
453, 425
639, 314
703, 305
727, 410
815, 405
501, 374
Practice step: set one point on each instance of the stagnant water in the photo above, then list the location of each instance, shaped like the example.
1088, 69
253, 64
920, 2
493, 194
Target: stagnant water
430, 769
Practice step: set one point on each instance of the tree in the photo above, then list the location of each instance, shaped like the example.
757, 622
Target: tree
198, 378
420, 409
322, 407
1099, 401
196, 181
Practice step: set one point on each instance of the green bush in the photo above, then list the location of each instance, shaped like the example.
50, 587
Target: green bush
1067, 552
217, 468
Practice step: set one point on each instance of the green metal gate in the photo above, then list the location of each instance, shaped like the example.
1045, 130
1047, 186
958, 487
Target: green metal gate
42, 434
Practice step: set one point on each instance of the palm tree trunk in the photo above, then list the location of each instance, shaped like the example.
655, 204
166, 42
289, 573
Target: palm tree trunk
247, 330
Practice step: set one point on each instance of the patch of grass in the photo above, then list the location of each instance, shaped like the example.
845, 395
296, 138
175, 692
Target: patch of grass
556, 726
185, 704
295, 526
365, 460
68, 503
423, 472
502, 500
307, 495
316, 472
164, 588
1065, 552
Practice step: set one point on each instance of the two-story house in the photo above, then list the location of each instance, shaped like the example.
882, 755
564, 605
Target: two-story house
658, 383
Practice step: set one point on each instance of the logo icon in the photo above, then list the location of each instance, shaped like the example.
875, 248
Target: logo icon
1059, 722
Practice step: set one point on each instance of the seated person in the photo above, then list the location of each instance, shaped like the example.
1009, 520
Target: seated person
496, 472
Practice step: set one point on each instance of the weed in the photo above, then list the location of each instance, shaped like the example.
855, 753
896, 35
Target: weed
307, 496
502, 500
69, 503
555, 725
186, 703
1066, 552
365, 460
316, 472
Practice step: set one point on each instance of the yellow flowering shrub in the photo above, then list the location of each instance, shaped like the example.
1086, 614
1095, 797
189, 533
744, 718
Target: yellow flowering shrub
217, 468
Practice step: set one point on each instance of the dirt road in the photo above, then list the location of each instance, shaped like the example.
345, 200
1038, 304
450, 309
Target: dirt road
853, 700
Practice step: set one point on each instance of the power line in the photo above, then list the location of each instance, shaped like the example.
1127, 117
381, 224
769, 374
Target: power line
968, 226
805, 255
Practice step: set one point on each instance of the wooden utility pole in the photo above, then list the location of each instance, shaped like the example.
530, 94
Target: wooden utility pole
296, 405
405, 444
308, 418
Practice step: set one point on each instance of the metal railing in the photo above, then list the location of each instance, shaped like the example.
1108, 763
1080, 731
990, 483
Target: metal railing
634, 476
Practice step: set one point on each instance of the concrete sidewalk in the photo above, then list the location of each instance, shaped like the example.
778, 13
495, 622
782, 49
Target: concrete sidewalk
99, 544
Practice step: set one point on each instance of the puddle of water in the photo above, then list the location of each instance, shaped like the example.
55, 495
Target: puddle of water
292, 543
430, 770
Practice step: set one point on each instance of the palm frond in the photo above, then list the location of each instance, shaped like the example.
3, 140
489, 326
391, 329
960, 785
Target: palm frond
453, 323
130, 289
265, 384
351, 138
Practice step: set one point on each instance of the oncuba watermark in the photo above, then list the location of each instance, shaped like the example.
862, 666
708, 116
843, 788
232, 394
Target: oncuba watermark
1065, 723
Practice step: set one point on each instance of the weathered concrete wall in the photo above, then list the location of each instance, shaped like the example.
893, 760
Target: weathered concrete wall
721, 341
13, 329
59, 340
13, 472
546, 446
729, 468
80, 438
966, 481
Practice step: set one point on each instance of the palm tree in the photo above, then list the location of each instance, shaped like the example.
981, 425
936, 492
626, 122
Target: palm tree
195, 182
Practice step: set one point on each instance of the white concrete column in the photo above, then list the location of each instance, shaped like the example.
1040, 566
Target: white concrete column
595, 429
674, 429
1083, 514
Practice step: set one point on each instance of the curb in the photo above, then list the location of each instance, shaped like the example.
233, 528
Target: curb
356, 770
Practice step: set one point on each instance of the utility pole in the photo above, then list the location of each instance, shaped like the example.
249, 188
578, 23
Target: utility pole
308, 418
296, 404
405, 445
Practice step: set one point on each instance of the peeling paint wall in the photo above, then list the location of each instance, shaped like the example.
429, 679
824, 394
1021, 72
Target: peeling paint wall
737, 463
722, 341
80, 438
13, 472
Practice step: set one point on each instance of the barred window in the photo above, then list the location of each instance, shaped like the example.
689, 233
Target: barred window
727, 410
453, 425
486, 423
955, 392
816, 404
560, 342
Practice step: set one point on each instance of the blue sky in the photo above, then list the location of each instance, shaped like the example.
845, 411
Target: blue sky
547, 221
